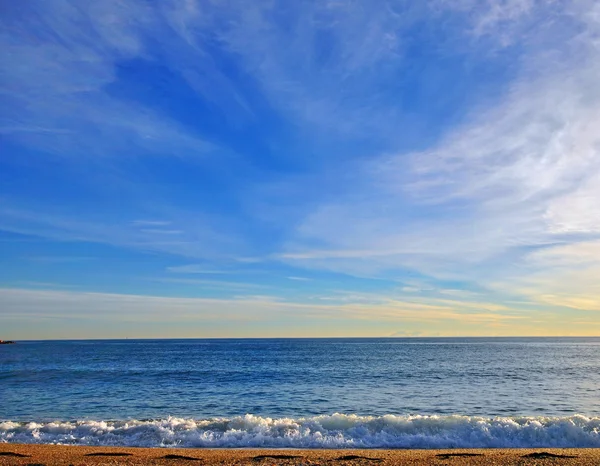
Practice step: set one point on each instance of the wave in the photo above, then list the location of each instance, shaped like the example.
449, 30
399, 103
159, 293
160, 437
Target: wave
328, 431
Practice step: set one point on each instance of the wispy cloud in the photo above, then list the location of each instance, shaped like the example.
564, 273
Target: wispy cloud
448, 141
520, 173
59, 259
199, 238
195, 268
45, 285
27, 311
161, 232
151, 223
564, 275
211, 284
58, 91
306, 65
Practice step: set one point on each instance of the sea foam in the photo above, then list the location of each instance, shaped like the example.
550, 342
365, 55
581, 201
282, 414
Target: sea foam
330, 431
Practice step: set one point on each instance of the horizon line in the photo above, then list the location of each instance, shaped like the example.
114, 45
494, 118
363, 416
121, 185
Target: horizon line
308, 338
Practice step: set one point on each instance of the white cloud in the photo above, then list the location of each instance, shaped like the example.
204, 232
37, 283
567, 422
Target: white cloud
208, 284
22, 303
153, 231
581, 254
151, 223
565, 275
82, 314
522, 173
521, 170
57, 84
201, 236
195, 268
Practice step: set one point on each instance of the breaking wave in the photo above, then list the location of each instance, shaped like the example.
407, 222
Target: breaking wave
331, 431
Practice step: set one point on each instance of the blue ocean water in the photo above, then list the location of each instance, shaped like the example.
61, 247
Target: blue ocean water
420, 393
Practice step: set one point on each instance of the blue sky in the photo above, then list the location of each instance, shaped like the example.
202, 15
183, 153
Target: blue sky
338, 168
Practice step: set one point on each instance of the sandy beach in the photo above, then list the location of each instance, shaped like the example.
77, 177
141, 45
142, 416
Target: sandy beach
19, 454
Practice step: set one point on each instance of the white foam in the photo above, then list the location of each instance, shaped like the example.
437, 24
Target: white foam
333, 431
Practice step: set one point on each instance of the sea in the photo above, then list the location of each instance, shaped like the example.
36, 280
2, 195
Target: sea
303, 393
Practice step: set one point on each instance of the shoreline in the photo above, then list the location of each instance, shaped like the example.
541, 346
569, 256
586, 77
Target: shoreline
41, 454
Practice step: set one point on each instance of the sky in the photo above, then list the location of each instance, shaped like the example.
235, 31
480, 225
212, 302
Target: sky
183, 168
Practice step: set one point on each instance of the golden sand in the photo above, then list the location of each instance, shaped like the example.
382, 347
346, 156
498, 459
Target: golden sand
18, 454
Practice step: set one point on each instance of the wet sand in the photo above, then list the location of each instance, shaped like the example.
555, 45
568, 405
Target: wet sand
38, 455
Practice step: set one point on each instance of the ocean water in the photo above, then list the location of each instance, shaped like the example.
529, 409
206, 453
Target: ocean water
330, 393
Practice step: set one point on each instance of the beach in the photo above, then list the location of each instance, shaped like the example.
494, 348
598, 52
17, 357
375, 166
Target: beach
27, 454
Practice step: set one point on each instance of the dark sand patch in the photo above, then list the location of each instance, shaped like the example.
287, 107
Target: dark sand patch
180, 457
544, 455
447, 456
357, 457
275, 457
13, 454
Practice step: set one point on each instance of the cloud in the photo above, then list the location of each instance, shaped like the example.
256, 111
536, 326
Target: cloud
58, 91
69, 126
69, 314
195, 268
521, 173
580, 254
201, 236
409, 333
59, 259
161, 232
23, 304
375, 154
305, 66
211, 284
151, 223
564, 275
